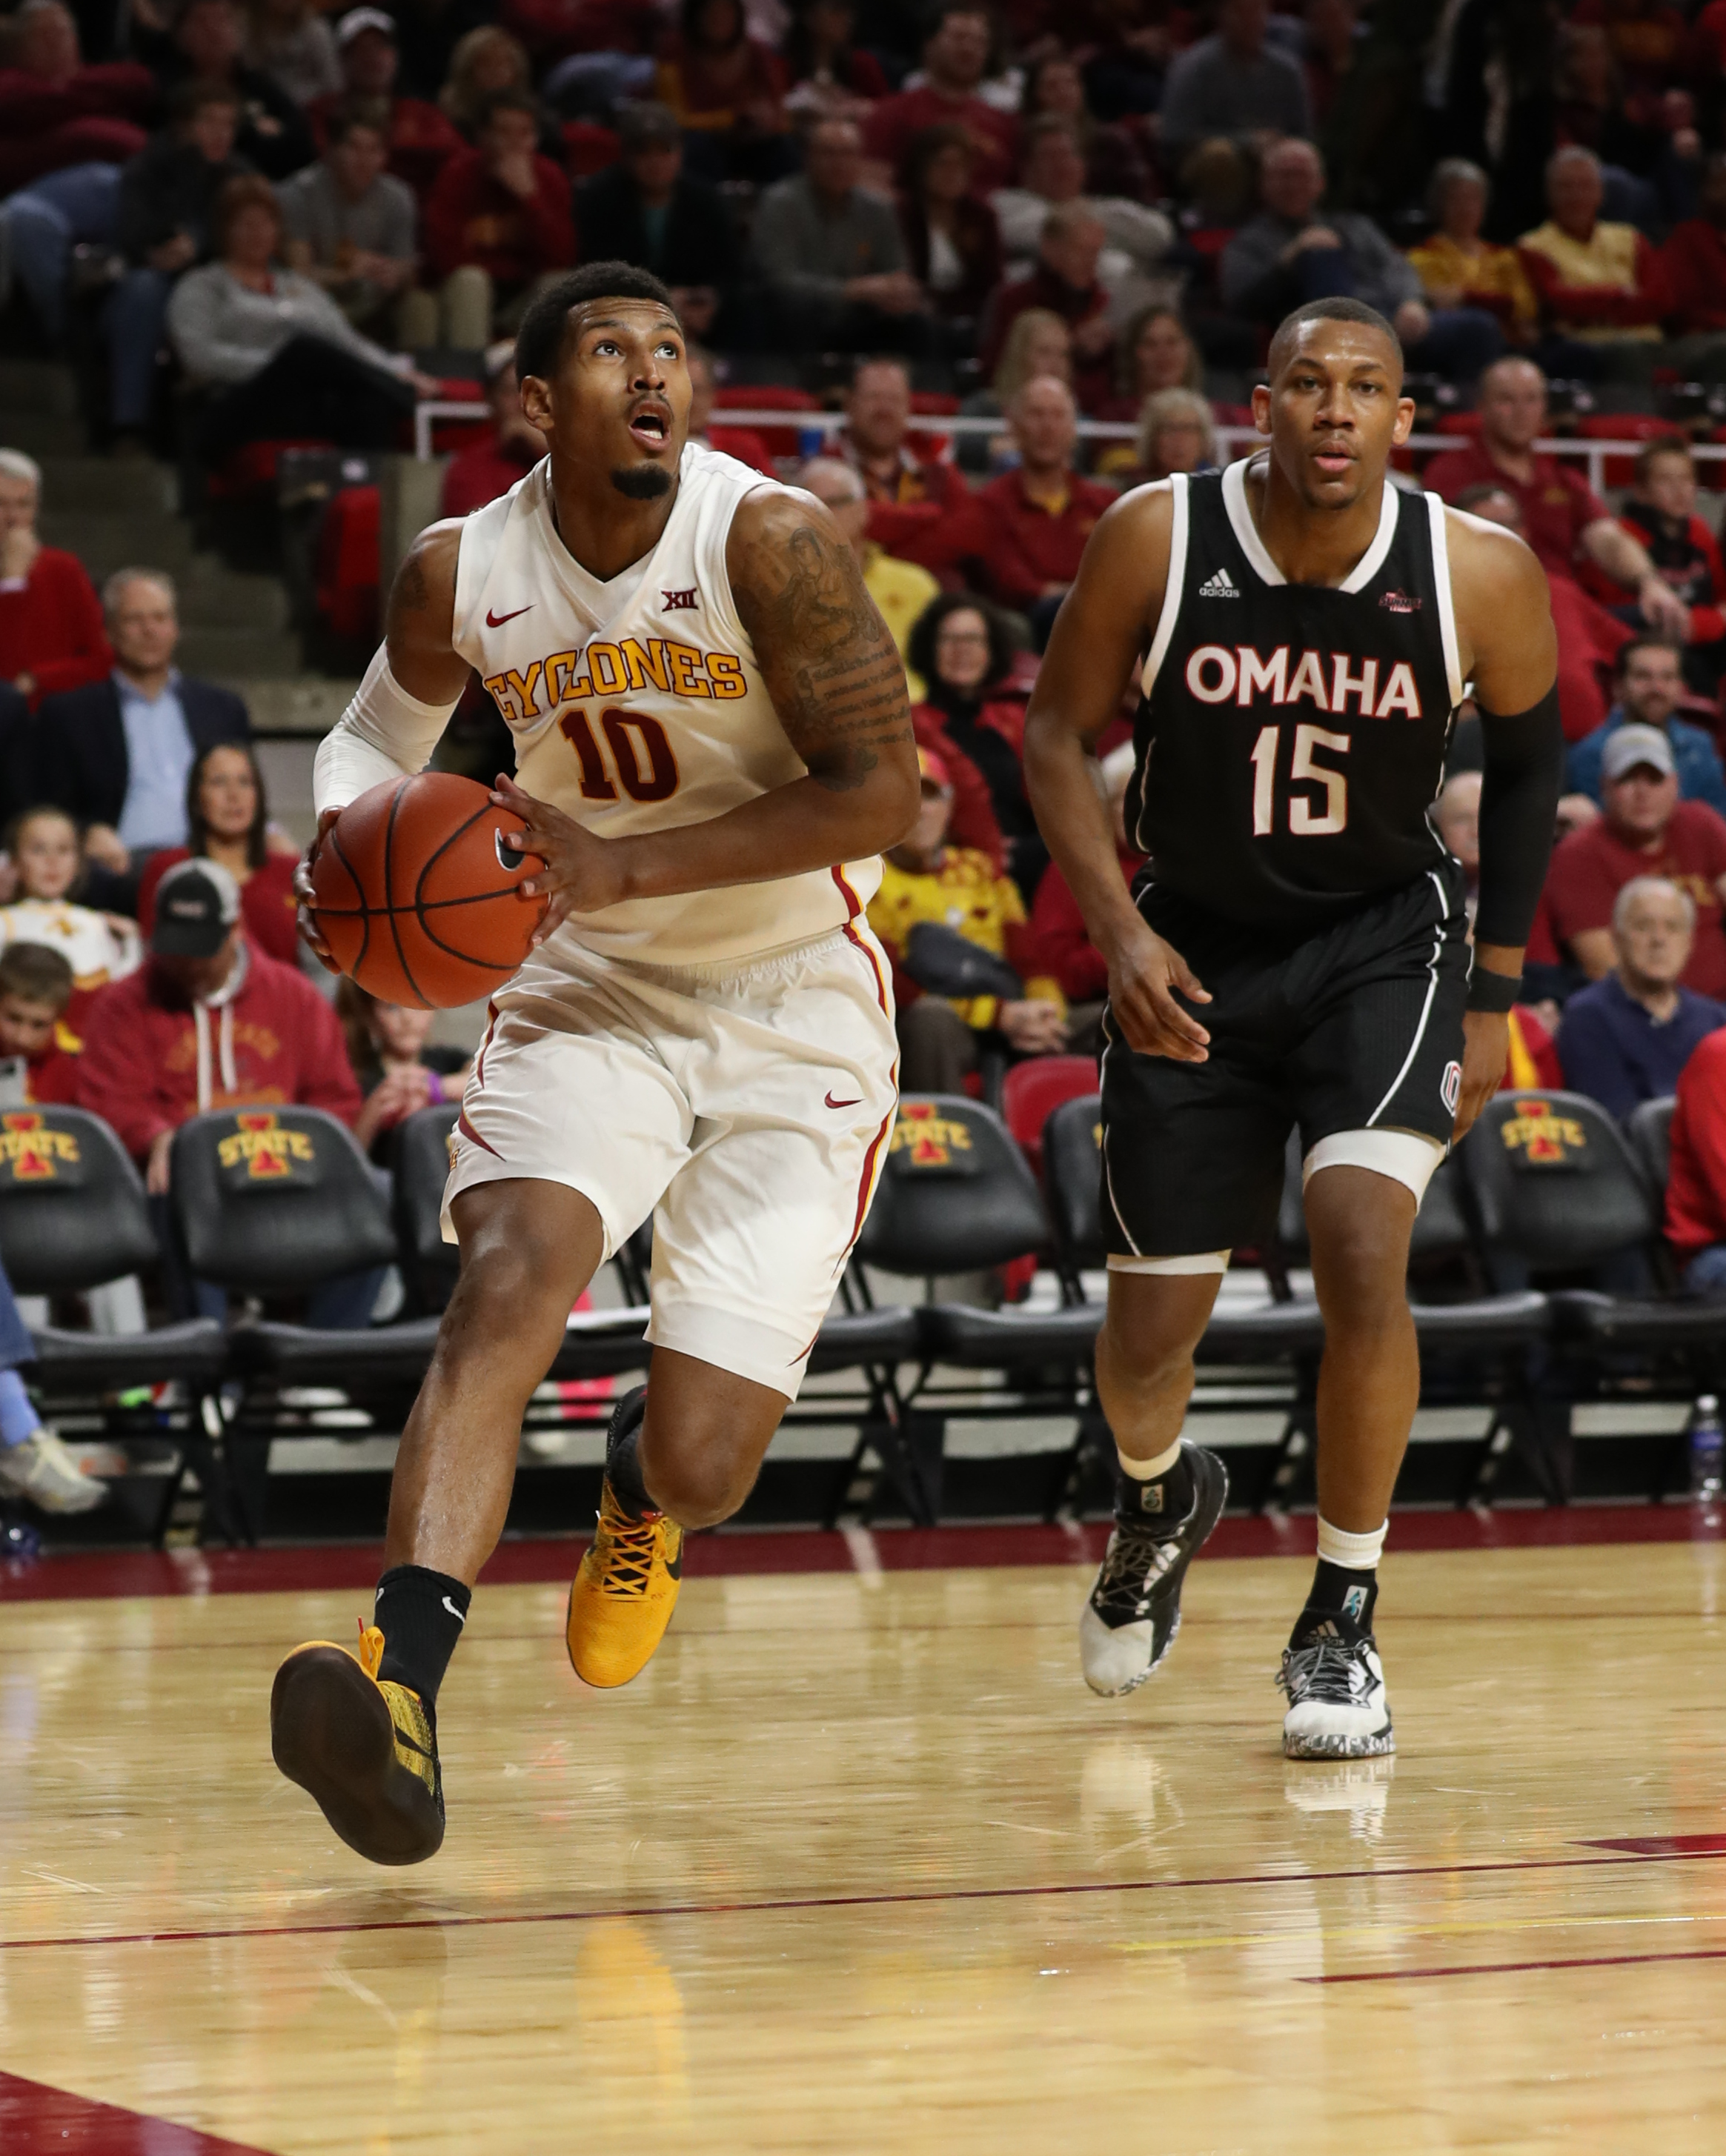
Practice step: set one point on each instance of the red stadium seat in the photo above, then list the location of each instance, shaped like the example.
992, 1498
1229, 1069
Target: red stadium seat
745, 444
251, 470
347, 563
1033, 1090
1457, 423
768, 396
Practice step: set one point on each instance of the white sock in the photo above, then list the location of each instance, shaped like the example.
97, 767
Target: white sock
1353, 1553
1147, 1471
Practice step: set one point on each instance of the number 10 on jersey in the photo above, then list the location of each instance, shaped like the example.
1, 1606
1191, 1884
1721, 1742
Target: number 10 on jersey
1307, 817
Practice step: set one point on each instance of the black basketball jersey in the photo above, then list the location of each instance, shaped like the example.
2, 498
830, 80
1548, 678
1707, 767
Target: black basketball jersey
1291, 737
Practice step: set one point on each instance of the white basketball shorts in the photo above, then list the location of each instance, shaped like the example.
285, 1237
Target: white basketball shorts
746, 1106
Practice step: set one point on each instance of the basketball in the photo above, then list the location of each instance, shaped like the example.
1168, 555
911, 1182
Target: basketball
418, 895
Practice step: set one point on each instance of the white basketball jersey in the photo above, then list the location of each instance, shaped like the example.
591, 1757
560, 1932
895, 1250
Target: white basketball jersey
637, 705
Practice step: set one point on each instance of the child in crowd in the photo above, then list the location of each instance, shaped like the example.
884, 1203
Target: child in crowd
99, 948
399, 1069
37, 1048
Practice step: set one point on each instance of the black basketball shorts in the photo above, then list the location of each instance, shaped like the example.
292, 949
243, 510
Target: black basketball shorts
1358, 1028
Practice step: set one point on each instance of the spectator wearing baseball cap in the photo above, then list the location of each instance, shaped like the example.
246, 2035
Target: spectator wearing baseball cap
1645, 830
1650, 673
211, 1021
925, 879
421, 139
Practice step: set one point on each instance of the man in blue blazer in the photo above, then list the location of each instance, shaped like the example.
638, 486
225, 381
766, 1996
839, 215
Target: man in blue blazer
117, 754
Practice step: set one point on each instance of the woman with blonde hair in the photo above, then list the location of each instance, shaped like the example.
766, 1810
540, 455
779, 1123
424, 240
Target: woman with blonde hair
1038, 343
1176, 434
485, 61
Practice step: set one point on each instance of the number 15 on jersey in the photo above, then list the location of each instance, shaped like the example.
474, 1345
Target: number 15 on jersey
1309, 816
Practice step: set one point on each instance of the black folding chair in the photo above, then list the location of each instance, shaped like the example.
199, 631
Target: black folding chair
958, 1196
72, 1215
600, 1344
1557, 1190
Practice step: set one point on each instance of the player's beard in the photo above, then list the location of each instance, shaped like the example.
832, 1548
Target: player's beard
642, 482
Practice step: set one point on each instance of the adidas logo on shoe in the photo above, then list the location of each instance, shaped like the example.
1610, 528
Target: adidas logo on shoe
1221, 586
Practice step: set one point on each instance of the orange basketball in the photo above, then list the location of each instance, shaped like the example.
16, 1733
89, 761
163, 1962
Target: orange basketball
419, 897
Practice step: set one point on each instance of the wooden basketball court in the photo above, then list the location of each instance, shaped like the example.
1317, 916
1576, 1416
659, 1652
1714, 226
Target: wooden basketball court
858, 1864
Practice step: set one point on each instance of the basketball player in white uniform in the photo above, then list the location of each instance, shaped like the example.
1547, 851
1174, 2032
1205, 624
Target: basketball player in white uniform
712, 747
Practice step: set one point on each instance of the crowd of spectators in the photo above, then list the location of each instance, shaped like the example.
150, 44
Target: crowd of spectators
1064, 232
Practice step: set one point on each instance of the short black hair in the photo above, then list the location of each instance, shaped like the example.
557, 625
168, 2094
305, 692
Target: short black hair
539, 342
920, 645
1337, 309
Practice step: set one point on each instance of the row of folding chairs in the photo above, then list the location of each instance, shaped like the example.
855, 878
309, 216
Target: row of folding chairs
1545, 1196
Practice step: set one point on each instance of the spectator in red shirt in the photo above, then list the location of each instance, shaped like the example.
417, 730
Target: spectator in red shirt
228, 820
212, 1021
54, 111
961, 653
1645, 830
498, 221
1036, 520
921, 510
422, 140
1696, 1182
727, 89
1065, 283
1661, 514
955, 60
51, 633
1563, 519
491, 467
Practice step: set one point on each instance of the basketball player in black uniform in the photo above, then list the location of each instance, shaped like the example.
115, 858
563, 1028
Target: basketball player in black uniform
1295, 951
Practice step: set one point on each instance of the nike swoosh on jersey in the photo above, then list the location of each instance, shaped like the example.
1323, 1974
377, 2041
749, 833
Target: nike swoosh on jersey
497, 620
830, 1102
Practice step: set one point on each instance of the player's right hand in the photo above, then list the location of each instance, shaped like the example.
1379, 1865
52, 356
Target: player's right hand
1145, 973
306, 898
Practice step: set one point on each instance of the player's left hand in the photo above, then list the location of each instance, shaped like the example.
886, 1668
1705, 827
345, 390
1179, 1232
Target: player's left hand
1486, 1036
581, 873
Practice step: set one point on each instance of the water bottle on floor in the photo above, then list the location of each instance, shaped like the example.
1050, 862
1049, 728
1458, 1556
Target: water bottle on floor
1707, 1443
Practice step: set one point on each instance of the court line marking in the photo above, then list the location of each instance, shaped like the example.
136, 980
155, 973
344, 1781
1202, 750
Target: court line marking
907, 1898
1515, 1968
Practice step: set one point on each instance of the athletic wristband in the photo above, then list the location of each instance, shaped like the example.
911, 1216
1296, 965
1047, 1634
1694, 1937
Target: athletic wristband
1497, 993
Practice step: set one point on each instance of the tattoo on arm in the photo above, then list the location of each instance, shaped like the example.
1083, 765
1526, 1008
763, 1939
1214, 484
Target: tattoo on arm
837, 682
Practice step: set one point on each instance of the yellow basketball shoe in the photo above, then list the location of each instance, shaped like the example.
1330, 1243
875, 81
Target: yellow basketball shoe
625, 1587
365, 1748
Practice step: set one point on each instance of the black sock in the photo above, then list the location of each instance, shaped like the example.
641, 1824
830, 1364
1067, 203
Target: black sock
623, 1470
1340, 1597
421, 1614
1167, 1496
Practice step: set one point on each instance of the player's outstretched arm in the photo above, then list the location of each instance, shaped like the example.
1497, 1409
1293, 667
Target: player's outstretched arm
413, 683
1099, 636
1508, 649
838, 685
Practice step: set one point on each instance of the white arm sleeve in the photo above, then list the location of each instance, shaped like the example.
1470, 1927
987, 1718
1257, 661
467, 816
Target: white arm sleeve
384, 733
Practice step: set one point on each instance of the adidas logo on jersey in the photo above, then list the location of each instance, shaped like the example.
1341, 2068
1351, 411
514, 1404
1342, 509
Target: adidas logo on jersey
1221, 586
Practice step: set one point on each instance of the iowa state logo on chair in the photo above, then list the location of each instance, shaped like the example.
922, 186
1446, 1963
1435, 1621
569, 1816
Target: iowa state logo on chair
32, 1151
261, 1151
1542, 1136
924, 1139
